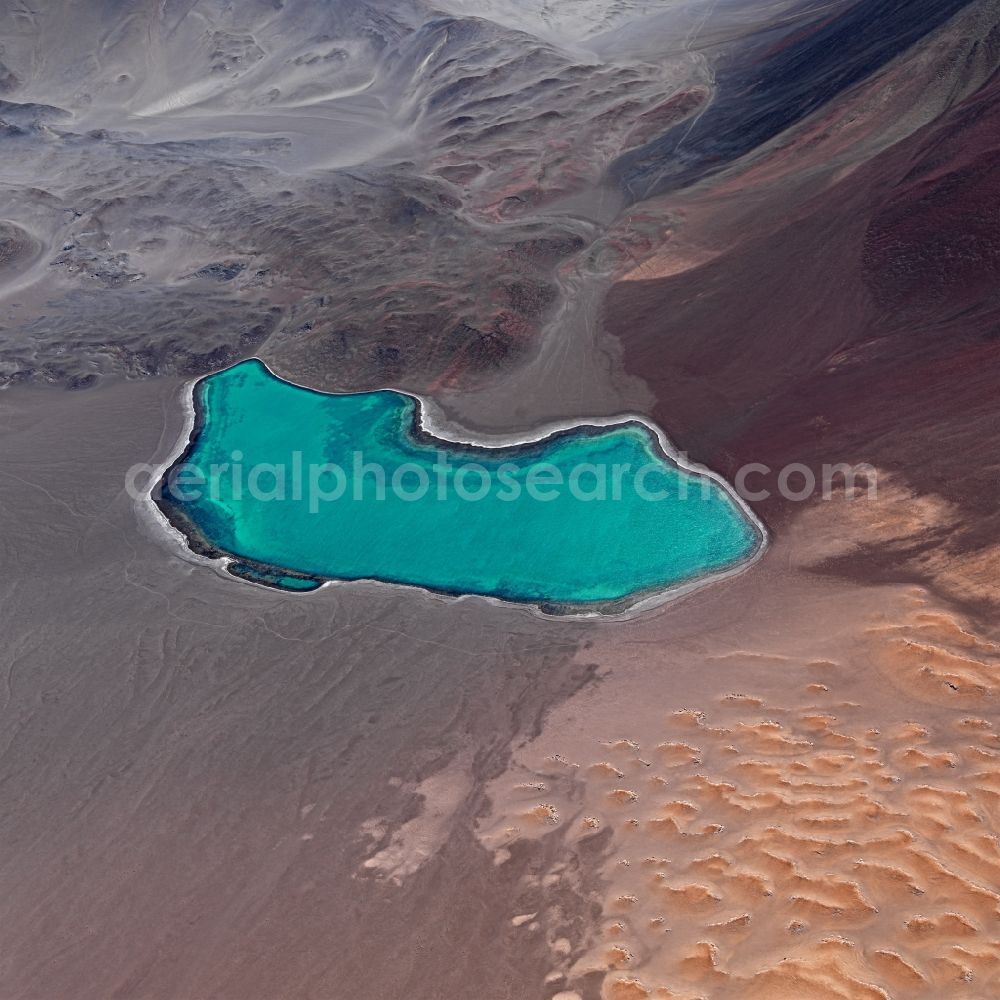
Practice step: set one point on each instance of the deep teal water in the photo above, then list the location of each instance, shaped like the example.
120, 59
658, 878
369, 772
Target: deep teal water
259, 431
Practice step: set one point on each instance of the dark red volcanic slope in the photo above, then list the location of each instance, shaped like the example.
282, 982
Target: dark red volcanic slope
866, 328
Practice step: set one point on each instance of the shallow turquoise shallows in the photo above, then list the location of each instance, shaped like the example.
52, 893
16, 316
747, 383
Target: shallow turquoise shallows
555, 522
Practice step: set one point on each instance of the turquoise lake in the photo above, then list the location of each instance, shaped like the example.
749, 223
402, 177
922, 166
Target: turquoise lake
302, 486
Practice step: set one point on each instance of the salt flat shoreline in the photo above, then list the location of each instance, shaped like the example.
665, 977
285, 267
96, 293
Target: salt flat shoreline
432, 423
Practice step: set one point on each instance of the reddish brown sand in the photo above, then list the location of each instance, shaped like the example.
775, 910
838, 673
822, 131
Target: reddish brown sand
799, 801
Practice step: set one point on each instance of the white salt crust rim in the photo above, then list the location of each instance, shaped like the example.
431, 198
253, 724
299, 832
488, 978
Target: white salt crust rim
433, 422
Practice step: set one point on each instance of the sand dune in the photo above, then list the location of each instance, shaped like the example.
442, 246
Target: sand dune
934, 658
826, 830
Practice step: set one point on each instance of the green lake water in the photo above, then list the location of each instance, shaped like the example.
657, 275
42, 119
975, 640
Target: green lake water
275, 476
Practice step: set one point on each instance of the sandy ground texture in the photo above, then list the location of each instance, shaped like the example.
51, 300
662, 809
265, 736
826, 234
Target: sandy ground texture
214, 790
780, 788
783, 786
789, 789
